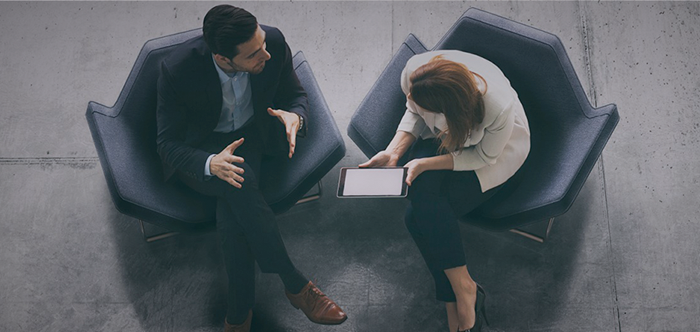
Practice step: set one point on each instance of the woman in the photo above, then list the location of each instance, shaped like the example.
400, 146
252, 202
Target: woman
472, 136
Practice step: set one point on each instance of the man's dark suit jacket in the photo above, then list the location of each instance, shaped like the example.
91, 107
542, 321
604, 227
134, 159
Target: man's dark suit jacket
190, 101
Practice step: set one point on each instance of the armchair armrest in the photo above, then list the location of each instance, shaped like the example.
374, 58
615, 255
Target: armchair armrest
374, 123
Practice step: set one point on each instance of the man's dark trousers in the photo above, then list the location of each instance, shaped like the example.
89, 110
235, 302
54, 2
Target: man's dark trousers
245, 223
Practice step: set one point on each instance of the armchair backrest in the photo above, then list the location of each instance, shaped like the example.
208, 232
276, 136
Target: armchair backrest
137, 100
562, 121
125, 140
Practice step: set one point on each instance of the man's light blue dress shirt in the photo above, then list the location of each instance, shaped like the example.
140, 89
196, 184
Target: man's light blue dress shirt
237, 106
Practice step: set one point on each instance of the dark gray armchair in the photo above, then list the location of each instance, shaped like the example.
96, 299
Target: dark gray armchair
125, 139
567, 133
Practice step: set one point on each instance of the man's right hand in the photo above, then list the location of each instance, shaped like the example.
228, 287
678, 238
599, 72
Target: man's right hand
222, 165
382, 158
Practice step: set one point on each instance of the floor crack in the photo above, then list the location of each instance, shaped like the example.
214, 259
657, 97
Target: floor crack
592, 93
587, 57
73, 162
45, 160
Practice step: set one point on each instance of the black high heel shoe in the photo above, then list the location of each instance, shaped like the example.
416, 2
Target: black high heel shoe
480, 309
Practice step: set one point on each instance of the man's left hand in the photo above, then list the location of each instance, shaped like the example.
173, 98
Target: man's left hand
291, 124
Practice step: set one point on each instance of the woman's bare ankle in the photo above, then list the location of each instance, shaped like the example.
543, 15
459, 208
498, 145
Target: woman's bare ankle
466, 300
466, 316
466, 289
459, 277
452, 316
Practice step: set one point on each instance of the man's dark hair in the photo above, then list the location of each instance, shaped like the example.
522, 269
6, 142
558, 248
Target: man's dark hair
225, 27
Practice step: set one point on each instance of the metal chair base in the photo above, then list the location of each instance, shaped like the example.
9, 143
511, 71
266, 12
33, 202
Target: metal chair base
313, 196
535, 237
156, 237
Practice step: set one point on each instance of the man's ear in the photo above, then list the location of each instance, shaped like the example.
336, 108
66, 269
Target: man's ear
221, 58
223, 61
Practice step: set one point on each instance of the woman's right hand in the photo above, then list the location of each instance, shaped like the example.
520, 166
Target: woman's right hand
382, 158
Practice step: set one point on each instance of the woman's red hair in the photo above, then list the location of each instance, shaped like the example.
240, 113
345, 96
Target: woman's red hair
449, 88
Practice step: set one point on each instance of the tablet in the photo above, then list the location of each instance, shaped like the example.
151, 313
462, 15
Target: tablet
373, 182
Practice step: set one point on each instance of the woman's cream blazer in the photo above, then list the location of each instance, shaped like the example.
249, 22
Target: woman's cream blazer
497, 148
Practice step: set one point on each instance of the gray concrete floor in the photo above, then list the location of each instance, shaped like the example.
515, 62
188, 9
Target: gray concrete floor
626, 257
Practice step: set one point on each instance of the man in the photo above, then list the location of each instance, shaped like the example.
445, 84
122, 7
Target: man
226, 100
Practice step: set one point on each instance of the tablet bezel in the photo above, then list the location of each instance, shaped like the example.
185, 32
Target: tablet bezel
344, 170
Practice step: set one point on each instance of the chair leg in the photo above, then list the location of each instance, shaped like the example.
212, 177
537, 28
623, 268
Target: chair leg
535, 237
312, 197
156, 237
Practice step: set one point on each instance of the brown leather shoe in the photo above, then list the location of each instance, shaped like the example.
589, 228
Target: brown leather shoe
316, 305
244, 327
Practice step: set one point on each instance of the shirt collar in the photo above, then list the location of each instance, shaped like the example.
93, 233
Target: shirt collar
440, 122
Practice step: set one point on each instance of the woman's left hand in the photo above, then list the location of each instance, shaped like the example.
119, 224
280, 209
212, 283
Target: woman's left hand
415, 168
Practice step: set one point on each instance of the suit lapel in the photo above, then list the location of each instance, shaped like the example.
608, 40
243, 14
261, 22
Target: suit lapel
256, 85
212, 86
259, 85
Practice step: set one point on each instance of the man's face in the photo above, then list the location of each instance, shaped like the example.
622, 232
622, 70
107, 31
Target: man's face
251, 54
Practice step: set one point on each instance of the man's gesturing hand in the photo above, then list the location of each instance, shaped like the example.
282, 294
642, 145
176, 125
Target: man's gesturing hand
222, 165
291, 125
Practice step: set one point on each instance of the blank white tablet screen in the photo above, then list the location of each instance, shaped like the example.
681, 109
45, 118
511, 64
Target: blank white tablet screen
373, 182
